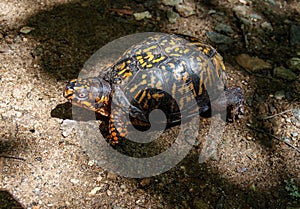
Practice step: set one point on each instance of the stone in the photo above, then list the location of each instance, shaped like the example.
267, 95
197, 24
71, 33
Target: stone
172, 2
185, 10
218, 38
284, 73
252, 63
279, 94
241, 11
296, 113
294, 63
142, 15
266, 26
255, 17
223, 28
172, 16
295, 35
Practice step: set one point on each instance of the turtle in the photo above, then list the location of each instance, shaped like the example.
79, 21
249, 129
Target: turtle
149, 75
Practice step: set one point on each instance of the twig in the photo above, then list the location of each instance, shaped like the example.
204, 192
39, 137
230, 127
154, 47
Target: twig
275, 137
272, 116
12, 157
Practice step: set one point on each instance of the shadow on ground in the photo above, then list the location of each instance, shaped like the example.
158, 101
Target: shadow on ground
8, 202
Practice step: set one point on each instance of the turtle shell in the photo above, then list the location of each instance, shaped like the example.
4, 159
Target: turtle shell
177, 74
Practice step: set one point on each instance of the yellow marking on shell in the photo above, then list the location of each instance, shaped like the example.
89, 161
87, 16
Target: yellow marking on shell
200, 84
144, 76
175, 55
172, 42
158, 85
186, 51
191, 86
127, 74
134, 88
206, 50
149, 65
171, 65
176, 49
144, 64
174, 89
159, 59
168, 49
157, 96
142, 97
146, 106
143, 82
149, 48
149, 56
122, 71
139, 57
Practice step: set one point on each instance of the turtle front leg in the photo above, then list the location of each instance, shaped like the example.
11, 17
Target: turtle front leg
117, 126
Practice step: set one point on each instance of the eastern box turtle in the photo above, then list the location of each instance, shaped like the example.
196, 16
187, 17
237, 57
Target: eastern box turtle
149, 75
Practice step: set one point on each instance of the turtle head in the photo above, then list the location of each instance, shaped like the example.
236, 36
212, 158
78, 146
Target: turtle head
90, 93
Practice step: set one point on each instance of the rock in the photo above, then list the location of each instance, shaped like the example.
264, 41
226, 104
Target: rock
223, 28
145, 182
284, 73
294, 63
295, 35
255, 17
252, 63
142, 15
279, 95
218, 38
26, 29
74, 181
172, 2
112, 176
94, 191
296, 113
266, 26
241, 11
172, 16
17, 93
67, 127
185, 9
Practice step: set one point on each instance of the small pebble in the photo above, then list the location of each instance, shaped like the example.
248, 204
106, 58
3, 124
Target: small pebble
172, 2
279, 95
294, 134
91, 162
94, 191
172, 16
145, 182
17, 93
74, 181
142, 15
26, 29
109, 193
267, 26
296, 113
111, 176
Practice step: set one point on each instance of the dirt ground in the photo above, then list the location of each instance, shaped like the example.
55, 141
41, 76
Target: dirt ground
42, 160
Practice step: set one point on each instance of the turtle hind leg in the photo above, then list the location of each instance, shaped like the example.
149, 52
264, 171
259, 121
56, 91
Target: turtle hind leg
235, 99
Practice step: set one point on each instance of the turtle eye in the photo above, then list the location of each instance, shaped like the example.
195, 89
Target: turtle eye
82, 94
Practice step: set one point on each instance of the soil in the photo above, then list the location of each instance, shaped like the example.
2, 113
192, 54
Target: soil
42, 159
